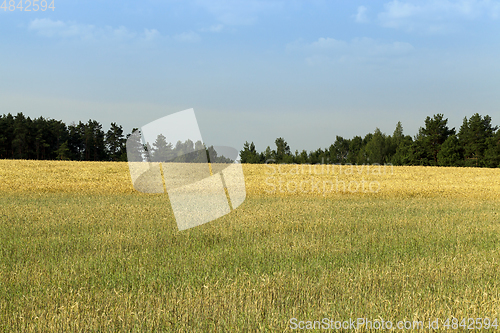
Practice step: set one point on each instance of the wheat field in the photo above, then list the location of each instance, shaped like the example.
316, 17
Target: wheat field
81, 251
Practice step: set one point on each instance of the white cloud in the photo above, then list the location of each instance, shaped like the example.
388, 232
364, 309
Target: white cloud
213, 28
330, 50
239, 12
361, 16
150, 34
188, 37
120, 33
435, 15
328, 43
216, 28
46, 27
49, 28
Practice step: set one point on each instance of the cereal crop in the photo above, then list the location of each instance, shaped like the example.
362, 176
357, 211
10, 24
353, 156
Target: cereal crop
82, 251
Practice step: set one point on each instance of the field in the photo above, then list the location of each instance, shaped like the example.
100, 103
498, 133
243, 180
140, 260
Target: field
82, 251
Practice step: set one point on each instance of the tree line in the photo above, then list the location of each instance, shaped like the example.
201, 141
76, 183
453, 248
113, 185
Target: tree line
476, 144
48, 139
163, 151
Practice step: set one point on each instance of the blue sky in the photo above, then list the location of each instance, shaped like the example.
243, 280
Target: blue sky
255, 70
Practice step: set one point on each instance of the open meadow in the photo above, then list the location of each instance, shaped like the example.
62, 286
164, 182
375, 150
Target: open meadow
81, 251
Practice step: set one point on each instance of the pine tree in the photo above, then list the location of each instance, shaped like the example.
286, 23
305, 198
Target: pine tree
492, 153
376, 148
450, 153
430, 138
115, 142
473, 137
283, 154
62, 153
161, 151
249, 153
134, 146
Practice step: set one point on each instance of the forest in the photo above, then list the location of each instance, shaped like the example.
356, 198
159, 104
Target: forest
475, 144
49, 139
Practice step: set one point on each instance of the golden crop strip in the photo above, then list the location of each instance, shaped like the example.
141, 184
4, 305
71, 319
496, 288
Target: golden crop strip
281, 180
64, 176
372, 180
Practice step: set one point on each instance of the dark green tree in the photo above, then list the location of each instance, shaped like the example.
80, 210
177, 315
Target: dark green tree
3, 150
392, 142
339, 150
318, 156
42, 135
376, 148
62, 153
398, 135
6, 136
95, 147
430, 138
115, 142
355, 147
283, 154
362, 156
404, 154
450, 153
20, 141
269, 156
76, 142
249, 153
473, 137
302, 157
492, 153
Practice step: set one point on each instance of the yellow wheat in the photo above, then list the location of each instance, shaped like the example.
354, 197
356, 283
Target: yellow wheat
274, 180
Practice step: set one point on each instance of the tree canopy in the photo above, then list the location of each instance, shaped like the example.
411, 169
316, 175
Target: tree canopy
477, 143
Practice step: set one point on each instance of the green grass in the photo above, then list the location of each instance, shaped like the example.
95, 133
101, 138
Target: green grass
85, 263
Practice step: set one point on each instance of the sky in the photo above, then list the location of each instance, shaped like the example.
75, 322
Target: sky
254, 70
